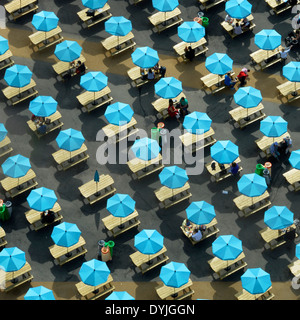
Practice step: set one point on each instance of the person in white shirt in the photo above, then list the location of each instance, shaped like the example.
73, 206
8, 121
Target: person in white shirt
237, 29
228, 19
197, 235
284, 53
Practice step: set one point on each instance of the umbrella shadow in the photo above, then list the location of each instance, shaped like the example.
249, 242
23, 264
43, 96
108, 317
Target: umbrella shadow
67, 13
14, 38
16, 124
41, 154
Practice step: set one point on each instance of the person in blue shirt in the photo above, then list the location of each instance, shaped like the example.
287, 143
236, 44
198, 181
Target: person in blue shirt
234, 168
229, 81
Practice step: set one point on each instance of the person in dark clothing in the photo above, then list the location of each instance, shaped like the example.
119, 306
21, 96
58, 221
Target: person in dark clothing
80, 67
48, 216
189, 53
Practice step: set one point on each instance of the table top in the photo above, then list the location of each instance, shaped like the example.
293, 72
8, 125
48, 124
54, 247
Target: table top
62, 66
15, 5
14, 274
288, 87
9, 183
243, 201
137, 164
160, 17
11, 92
62, 155
166, 291
112, 222
41, 36
292, 176
84, 17
261, 55
269, 234
162, 104
139, 258
87, 97
85, 289
276, 3
218, 169
241, 113
218, 264
189, 138
58, 251
113, 41
5, 55
93, 187
179, 47
295, 268
165, 193
111, 130
6, 141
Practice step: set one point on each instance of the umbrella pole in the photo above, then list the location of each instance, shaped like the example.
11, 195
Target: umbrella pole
121, 226
247, 117
295, 92
174, 295
20, 9
19, 187
70, 160
164, 22
68, 254
118, 47
94, 103
149, 262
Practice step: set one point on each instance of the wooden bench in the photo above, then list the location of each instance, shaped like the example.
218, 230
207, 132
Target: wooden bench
54, 124
3, 241
96, 191
95, 292
66, 254
217, 175
225, 268
208, 4
274, 238
14, 279
261, 57
164, 20
214, 82
115, 45
165, 292
66, 160
101, 14
251, 205
17, 95
15, 11
210, 230
279, 6
199, 46
230, 29
6, 60
293, 178
118, 225
141, 168
5, 146
35, 219
134, 75
289, 91
245, 295
147, 262
41, 40
169, 197
93, 100
16, 186
161, 105
243, 117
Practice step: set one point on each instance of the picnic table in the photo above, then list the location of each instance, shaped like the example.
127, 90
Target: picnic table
14, 279
266, 58
293, 178
100, 15
211, 229
54, 123
118, 225
66, 254
164, 20
3, 241
34, 217
274, 238
264, 143
16, 186
135, 76
194, 142
225, 268
287, 91
250, 205
220, 174
96, 191
214, 82
169, 293
243, 117
16, 95
169, 197
94, 292
17, 9
6, 60
93, 100
115, 45
146, 262
279, 6
295, 268
229, 27
161, 105
5, 146
119, 133
66, 159
61, 68
199, 46
245, 295
207, 4
41, 40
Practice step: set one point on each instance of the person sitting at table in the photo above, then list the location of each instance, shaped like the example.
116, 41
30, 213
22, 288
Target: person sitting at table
189, 53
187, 226
48, 216
80, 68
237, 29
183, 106
150, 75
274, 150
245, 23
228, 81
172, 111
229, 19
143, 73
234, 168
197, 235
160, 70
285, 145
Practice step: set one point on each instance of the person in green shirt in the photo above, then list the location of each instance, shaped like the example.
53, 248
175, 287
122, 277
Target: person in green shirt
183, 105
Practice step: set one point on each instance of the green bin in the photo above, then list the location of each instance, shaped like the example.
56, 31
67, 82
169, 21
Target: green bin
155, 134
110, 244
4, 214
259, 169
205, 21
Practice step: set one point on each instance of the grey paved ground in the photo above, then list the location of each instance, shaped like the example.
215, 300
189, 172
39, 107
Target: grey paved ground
66, 184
